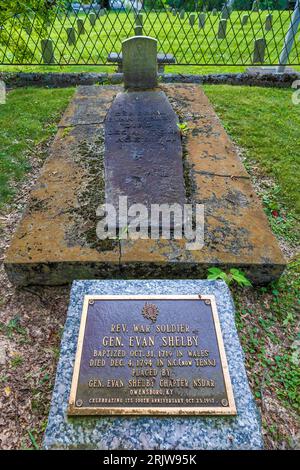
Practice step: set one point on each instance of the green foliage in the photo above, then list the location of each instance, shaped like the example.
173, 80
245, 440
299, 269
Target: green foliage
33, 440
284, 224
43, 12
183, 127
234, 276
268, 336
16, 361
13, 327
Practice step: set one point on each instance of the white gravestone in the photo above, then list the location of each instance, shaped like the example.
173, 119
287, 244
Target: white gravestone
140, 62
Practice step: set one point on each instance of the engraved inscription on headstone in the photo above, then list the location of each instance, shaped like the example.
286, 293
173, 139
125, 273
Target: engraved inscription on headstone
150, 355
143, 151
140, 62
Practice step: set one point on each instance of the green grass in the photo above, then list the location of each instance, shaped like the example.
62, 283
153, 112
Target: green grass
268, 332
266, 123
28, 118
188, 44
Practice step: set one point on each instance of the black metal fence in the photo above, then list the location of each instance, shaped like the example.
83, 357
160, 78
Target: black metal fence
203, 32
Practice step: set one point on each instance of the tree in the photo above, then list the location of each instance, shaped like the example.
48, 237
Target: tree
16, 15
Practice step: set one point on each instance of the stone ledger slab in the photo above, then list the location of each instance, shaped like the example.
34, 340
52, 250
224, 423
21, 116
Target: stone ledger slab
143, 151
56, 241
242, 431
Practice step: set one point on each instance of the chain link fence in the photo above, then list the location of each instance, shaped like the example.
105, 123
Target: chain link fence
203, 32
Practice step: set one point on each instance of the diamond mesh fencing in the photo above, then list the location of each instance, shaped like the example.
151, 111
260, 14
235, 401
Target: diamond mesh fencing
203, 32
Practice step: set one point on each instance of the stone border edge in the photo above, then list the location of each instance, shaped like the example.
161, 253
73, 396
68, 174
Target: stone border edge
62, 80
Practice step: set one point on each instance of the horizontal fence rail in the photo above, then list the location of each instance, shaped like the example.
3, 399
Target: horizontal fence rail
203, 32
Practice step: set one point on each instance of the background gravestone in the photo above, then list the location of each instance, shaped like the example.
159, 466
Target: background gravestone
93, 19
202, 19
138, 30
269, 23
259, 50
139, 19
80, 27
47, 51
192, 19
140, 62
245, 19
222, 29
226, 11
71, 36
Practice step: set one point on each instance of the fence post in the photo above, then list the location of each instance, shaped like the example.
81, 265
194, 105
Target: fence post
289, 39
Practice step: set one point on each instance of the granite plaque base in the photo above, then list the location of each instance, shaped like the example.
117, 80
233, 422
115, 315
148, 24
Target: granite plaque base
242, 431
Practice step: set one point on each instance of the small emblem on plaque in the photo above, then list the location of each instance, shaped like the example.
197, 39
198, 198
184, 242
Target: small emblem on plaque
150, 311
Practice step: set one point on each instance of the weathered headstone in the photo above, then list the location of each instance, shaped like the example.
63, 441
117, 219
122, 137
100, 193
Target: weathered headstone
71, 33
80, 27
102, 12
202, 19
222, 29
192, 19
105, 383
174, 12
140, 62
259, 50
182, 14
245, 19
269, 22
47, 51
214, 12
92, 19
255, 6
138, 30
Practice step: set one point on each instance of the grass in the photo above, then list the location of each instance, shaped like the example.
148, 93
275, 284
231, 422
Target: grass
267, 323
29, 117
266, 123
189, 45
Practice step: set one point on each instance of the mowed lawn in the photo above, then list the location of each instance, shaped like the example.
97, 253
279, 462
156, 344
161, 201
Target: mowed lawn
189, 44
28, 118
263, 121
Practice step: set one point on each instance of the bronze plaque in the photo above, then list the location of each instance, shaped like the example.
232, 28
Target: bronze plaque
159, 355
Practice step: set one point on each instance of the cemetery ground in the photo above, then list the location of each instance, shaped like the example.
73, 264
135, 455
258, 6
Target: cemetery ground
264, 125
189, 44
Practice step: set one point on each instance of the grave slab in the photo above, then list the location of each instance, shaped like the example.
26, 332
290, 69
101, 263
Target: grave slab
143, 152
56, 241
239, 432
